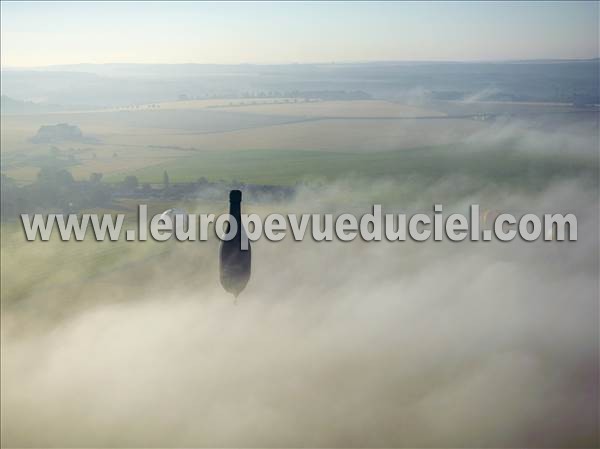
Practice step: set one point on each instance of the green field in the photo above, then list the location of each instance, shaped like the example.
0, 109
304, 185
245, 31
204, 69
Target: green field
138, 139
290, 167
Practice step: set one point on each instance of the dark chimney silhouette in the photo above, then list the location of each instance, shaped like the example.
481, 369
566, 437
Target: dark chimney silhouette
235, 263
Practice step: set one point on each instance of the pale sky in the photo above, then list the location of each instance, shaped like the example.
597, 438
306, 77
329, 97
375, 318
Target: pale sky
47, 33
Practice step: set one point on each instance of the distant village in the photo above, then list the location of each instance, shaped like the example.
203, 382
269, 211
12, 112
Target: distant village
55, 190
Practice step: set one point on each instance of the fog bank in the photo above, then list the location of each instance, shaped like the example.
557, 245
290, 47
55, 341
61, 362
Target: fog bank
432, 344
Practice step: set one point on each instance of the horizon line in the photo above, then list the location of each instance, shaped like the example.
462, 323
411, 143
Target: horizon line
375, 61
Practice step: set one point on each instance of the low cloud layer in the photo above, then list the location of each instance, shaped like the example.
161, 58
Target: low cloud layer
377, 344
